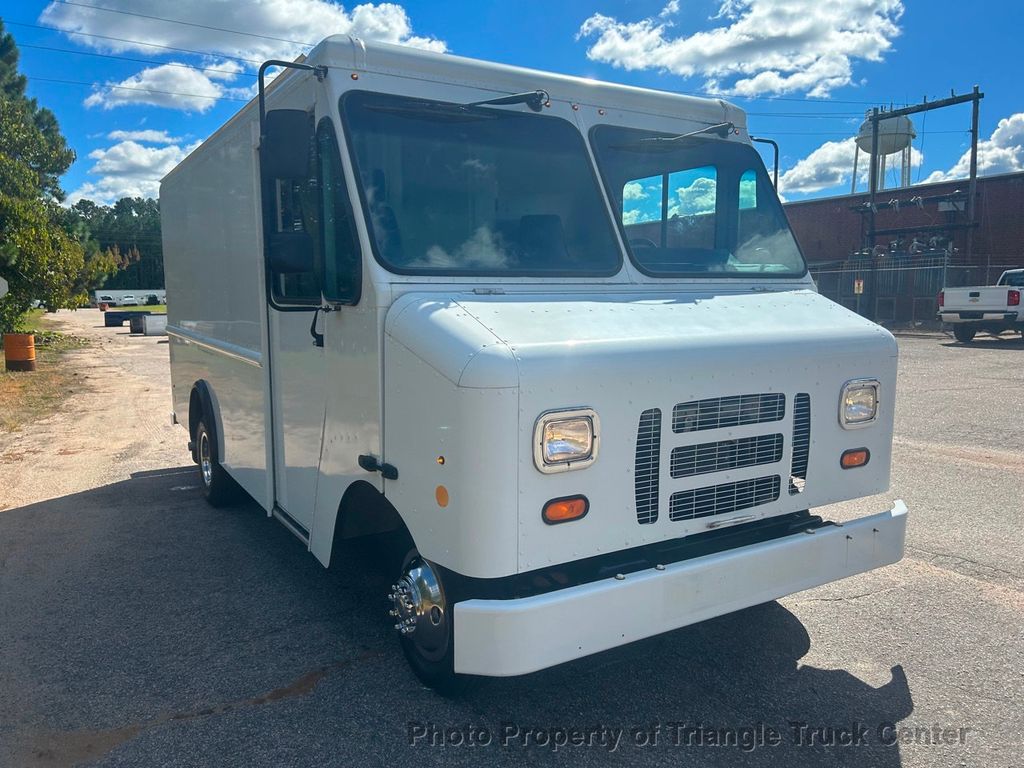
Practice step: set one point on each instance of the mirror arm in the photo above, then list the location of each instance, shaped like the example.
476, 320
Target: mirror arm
775, 146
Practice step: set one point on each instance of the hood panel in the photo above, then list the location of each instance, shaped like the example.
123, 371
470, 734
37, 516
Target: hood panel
629, 356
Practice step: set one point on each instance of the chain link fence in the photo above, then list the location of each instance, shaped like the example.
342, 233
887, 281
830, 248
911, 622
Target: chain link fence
902, 289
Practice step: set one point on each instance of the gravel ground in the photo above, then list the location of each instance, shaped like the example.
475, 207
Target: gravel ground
139, 627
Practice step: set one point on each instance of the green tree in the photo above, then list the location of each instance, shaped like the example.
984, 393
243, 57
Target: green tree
37, 256
130, 231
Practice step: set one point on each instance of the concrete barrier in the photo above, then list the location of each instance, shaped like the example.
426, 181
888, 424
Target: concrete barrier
154, 325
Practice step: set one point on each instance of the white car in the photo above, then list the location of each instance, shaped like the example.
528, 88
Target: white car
110, 301
129, 300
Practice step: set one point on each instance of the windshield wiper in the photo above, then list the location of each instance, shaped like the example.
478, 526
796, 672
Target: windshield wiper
721, 130
433, 110
535, 100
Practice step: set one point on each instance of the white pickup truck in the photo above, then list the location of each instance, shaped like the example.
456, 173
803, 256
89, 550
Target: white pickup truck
992, 308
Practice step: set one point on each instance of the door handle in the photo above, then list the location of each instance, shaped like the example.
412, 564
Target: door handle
373, 464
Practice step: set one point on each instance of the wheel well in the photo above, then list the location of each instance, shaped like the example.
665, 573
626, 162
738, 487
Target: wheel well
364, 511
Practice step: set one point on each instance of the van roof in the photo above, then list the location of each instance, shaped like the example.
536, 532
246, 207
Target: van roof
356, 55
347, 52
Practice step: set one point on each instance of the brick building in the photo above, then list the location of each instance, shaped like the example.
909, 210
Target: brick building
921, 245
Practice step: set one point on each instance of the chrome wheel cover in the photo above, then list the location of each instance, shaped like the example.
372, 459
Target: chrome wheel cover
205, 462
420, 610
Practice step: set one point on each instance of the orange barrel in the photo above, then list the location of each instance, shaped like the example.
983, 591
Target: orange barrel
104, 306
20, 351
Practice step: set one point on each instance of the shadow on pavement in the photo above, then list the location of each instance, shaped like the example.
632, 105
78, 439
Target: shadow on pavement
988, 342
141, 627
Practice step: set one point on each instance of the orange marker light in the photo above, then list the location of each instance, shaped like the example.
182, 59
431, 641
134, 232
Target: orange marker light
565, 509
855, 457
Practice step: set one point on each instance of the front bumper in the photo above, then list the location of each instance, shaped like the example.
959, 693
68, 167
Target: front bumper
501, 638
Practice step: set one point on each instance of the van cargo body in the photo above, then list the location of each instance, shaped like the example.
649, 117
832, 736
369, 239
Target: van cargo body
550, 339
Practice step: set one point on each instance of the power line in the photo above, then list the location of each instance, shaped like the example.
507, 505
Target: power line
185, 23
130, 58
835, 115
804, 100
133, 42
131, 88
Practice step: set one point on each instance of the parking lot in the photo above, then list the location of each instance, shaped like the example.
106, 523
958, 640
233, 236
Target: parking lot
140, 627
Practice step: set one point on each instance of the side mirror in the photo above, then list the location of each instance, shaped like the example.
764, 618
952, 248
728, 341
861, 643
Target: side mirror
290, 252
284, 150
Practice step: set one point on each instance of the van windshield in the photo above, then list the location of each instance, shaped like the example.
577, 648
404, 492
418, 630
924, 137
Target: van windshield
457, 190
695, 205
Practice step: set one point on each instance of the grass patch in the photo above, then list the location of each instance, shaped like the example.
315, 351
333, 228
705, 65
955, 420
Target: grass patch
156, 309
29, 321
30, 396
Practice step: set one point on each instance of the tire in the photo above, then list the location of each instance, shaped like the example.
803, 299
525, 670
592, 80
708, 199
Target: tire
218, 486
964, 333
430, 648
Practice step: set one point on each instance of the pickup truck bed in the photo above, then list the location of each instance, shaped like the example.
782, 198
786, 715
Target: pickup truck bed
993, 309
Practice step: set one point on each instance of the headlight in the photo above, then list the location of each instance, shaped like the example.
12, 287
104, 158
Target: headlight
858, 404
565, 440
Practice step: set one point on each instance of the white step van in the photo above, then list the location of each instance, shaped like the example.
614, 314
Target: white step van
551, 337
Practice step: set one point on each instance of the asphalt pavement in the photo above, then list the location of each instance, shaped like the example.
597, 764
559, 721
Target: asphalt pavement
139, 627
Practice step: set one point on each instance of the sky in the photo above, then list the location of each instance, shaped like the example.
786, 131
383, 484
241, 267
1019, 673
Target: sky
137, 84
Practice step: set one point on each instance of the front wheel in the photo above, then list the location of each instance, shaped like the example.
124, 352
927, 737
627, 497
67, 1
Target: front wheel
964, 333
423, 617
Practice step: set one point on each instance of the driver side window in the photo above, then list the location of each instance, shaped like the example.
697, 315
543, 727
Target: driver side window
341, 258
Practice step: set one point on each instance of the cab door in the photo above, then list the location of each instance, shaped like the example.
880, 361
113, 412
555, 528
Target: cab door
298, 387
313, 323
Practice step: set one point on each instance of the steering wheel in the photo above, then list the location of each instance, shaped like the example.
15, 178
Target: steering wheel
642, 242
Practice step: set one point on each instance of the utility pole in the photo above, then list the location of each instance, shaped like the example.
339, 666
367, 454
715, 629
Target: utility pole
972, 191
876, 116
873, 192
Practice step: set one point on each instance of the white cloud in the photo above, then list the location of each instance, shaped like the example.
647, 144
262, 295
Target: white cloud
633, 191
831, 165
1002, 152
696, 198
150, 136
271, 29
169, 85
763, 46
128, 169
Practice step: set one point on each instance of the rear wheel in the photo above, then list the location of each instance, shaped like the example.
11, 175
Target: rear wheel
218, 486
964, 333
423, 617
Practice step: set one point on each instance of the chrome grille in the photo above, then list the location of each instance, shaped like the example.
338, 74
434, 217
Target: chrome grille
647, 466
801, 442
688, 460
733, 411
725, 498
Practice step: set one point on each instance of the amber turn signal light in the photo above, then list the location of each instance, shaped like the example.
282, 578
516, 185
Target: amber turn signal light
855, 457
565, 509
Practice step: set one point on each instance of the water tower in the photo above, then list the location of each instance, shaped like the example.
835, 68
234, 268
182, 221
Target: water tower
895, 135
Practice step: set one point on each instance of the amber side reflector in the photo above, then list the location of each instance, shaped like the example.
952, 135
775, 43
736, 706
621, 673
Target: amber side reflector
855, 457
565, 509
